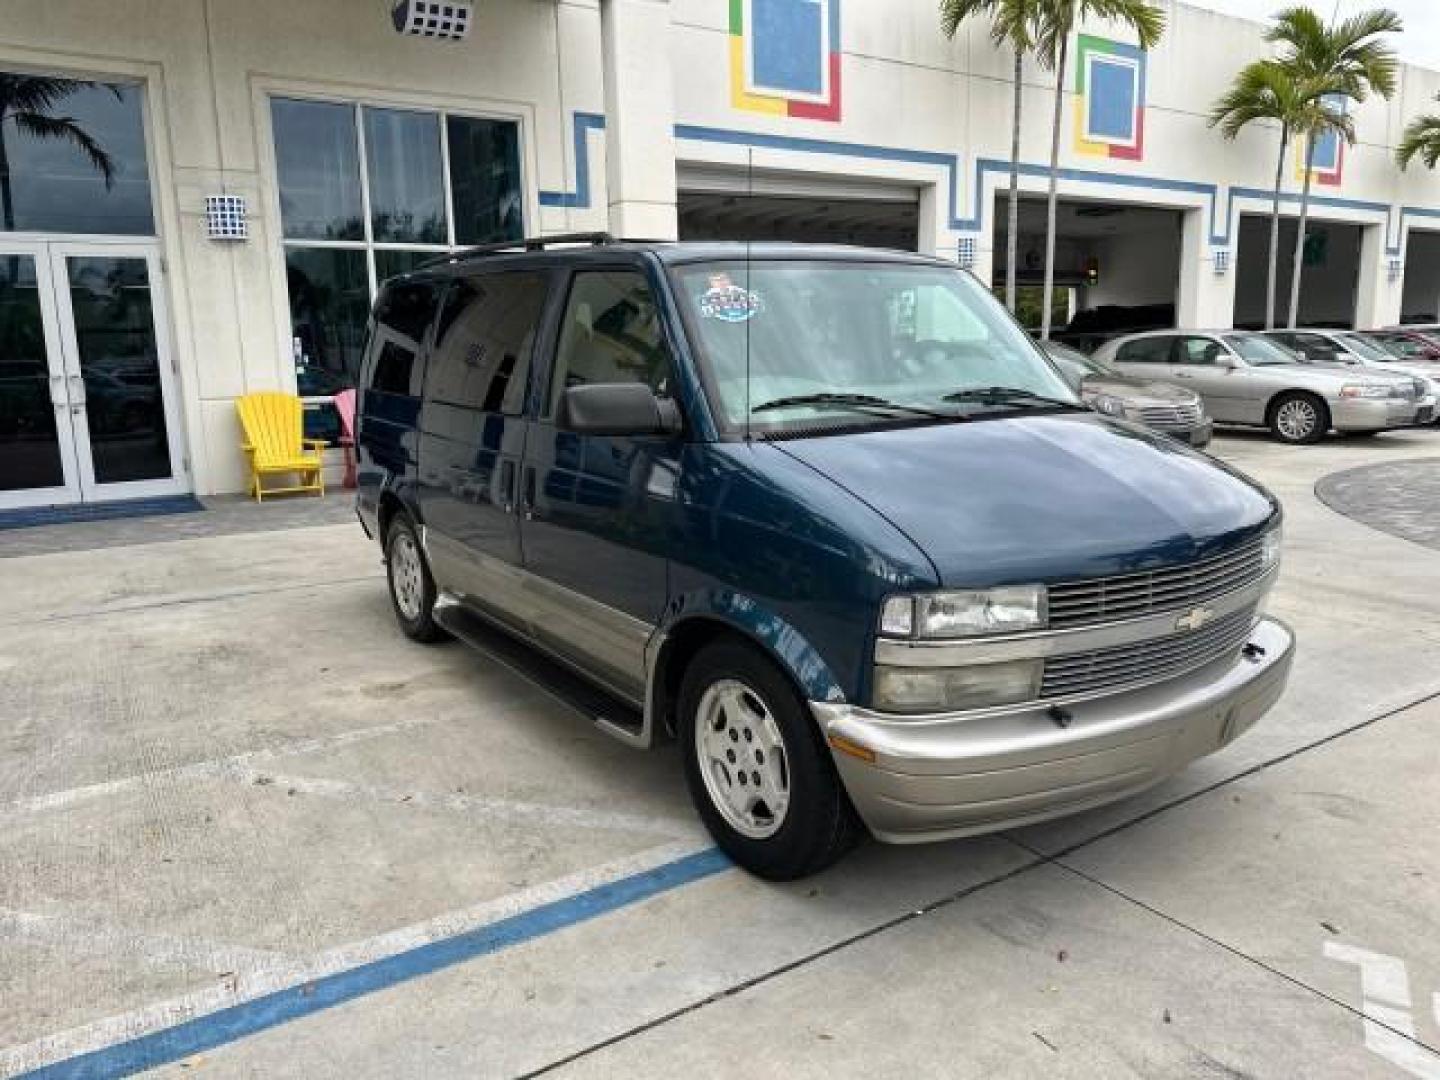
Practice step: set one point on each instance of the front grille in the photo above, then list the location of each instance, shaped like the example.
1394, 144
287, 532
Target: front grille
1084, 603
1181, 415
1145, 661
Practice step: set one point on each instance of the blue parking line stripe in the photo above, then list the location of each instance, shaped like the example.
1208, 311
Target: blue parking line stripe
229, 1024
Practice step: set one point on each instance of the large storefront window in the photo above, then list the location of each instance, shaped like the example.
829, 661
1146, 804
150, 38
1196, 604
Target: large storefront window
72, 157
365, 194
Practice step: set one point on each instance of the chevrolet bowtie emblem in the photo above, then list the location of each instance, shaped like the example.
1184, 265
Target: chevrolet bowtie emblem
1194, 619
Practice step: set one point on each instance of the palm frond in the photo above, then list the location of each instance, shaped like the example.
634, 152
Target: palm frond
64, 128
1421, 138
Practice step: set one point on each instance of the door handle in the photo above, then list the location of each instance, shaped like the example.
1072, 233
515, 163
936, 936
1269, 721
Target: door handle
507, 486
527, 496
57, 392
77, 394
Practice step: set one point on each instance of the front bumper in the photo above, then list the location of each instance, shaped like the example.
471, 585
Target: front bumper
960, 774
1377, 414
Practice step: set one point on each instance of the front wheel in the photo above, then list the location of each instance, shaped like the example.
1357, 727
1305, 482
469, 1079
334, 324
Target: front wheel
1299, 418
759, 774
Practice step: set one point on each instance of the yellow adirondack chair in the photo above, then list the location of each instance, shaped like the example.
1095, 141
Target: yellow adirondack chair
275, 443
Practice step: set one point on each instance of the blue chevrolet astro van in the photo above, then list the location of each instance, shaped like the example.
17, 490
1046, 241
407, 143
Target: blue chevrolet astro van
824, 516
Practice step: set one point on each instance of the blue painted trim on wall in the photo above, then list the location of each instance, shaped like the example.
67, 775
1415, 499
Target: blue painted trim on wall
585, 122
950, 163
227, 1025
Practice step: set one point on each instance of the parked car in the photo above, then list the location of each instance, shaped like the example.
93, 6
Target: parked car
1171, 409
1345, 348
825, 516
1406, 343
1246, 378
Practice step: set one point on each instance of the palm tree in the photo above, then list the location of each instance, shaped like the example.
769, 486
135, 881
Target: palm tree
1058, 19
29, 102
1265, 91
1336, 63
1012, 25
1421, 137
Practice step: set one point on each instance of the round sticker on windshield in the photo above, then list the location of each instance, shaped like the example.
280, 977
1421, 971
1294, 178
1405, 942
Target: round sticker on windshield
728, 302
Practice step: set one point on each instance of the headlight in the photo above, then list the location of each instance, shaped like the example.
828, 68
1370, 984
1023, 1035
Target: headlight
1270, 548
964, 614
1108, 404
1365, 390
922, 690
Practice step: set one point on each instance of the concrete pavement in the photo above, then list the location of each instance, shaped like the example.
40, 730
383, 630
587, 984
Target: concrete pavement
223, 775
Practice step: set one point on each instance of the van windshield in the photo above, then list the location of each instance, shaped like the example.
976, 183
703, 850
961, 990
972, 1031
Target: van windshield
855, 341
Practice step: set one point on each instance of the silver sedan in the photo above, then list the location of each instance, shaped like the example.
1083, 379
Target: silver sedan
1245, 378
1345, 348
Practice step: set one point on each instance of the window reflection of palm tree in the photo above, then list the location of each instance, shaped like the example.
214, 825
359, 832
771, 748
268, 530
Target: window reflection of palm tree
29, 102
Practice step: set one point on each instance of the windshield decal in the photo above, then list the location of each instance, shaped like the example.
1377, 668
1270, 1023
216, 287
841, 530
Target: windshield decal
728, 302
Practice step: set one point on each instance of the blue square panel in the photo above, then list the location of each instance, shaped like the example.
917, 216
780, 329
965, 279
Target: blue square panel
1110, 100
787, 45
1325, 157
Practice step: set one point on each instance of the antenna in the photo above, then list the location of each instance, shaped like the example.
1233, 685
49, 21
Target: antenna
750, 194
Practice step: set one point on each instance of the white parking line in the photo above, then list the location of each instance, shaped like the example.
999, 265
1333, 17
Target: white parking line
1389, 1026
94, 936
251, 984
538, 813
218, 768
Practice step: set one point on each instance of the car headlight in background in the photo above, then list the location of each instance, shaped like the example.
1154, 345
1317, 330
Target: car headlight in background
1108, 404
923, 690
955, 614
1365, 390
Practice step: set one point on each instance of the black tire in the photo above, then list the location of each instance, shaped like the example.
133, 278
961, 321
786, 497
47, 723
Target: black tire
818, 825
413, 595
1296, 403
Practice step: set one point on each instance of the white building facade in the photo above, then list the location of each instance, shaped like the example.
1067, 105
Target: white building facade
333, 149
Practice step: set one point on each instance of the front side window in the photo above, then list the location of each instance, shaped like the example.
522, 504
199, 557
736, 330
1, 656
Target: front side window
1200, 350
72, 157
364, 196
610, 334
1258, 350
926, 340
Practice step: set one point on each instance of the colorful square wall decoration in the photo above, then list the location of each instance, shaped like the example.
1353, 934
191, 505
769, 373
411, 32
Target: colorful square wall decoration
785, 57
1327, 160
1109, 98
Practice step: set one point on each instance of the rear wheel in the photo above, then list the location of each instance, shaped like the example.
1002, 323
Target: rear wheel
412, 589
1298, 417
759, 774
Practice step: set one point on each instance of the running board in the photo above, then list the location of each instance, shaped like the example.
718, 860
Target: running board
606, 711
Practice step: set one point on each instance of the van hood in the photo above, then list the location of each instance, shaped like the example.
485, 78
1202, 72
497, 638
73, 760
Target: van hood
1043, 498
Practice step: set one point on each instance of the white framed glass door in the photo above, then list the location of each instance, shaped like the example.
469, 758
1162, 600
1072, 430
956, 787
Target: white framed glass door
119, 375
112, 430
38, 462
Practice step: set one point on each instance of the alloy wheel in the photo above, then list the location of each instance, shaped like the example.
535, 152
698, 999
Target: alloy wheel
1296, 419
742, 759
407, 576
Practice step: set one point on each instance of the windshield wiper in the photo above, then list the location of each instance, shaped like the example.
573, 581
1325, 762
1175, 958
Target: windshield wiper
850, 401
1003, 395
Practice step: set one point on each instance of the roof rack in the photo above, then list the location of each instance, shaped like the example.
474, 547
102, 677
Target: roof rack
529, 243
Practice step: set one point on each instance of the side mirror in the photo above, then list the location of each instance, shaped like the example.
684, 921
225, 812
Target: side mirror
617, 409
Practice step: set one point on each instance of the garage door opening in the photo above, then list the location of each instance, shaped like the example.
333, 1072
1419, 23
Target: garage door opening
1329, 272
867, 222
1117, 267
719, 202
1420, 301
